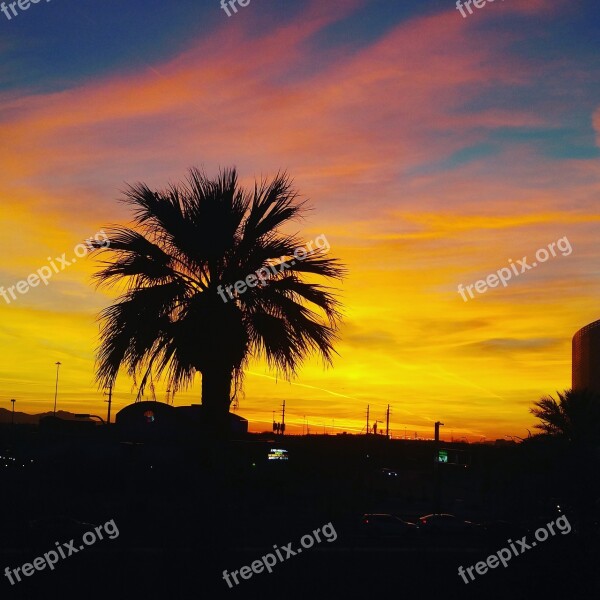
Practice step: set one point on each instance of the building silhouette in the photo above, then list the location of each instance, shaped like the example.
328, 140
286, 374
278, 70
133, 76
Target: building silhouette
586, 358
152, 418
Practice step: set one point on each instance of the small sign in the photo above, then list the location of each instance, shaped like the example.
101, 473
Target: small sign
278, 454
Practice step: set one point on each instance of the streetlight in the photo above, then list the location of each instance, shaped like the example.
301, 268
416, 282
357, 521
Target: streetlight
13, 411
56, 389
437, 487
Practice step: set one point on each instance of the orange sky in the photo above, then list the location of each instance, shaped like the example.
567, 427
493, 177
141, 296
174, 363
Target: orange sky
432, 153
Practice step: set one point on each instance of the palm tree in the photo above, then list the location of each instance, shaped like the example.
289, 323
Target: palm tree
575, 416
188, 243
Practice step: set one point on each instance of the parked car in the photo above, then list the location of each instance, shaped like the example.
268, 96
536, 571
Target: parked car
449, 527
384, 526
385, 472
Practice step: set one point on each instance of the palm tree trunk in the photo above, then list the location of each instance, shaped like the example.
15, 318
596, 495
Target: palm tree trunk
216, 398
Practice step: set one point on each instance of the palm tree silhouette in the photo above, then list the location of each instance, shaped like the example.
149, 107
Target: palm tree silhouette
171, 320
575, 416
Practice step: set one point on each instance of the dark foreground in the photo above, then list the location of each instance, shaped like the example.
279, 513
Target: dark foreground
561, 571
177, 515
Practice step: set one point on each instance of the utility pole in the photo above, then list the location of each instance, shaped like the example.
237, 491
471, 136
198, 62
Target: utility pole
283, 418
109, 403
368, 419
56, 389
387, 423
13, 411
437, 487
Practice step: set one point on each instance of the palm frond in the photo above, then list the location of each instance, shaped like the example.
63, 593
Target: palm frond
189, 241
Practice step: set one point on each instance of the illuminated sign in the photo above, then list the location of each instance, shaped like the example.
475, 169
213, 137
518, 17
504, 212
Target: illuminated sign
442, 456
278, 454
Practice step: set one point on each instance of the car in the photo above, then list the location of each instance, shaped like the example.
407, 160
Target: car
449, 527
385, 525
385, 472
384, 479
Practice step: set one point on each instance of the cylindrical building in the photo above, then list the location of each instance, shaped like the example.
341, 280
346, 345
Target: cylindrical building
586, 358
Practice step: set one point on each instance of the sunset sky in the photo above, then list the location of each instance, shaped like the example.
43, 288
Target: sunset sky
432, 148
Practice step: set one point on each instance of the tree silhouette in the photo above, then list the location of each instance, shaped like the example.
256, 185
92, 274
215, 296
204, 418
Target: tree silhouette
173, 318
575, 416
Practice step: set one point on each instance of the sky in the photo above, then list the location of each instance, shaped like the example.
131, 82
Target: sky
434, 150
